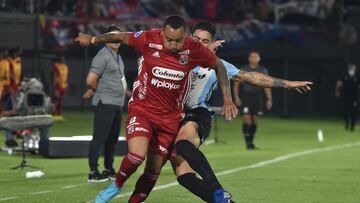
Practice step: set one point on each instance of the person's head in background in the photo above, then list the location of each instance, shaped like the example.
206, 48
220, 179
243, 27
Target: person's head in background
351, 69
60, 58
174, 33
113, 29
204, 33
254, 59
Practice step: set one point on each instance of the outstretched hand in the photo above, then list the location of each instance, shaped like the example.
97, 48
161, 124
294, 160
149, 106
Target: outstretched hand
299, 86
215, 45
229, 109
83, 39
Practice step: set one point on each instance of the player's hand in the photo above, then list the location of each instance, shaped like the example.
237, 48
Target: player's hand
299, 86
83, 39
215, 45
88, 94
229, 109
237, 101
268, 104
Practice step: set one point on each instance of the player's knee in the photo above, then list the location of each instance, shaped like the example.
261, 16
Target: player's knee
135, 158
183, 147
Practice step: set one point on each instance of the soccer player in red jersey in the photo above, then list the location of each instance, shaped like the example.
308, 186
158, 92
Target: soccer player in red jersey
157, 103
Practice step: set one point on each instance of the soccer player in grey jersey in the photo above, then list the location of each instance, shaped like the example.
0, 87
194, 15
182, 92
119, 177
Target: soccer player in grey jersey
195, 127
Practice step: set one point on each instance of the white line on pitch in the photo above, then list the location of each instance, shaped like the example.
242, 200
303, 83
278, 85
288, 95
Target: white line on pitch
8, 198
71, 186
259, 164
41, 192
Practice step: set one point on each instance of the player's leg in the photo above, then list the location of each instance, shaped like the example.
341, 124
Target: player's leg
246, 129
188, 179
195, 129
347, 112
253, 128
256, 110
353, 115
110, 145
246, 118
138, 144
146, 182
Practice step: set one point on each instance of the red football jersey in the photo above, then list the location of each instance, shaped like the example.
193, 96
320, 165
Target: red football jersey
163, 77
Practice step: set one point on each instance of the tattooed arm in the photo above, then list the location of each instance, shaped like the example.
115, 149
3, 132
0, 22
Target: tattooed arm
87, 40
263, 80
229, 109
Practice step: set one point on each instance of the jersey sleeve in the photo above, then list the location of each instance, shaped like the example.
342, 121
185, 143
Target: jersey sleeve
230, 69
204, 57
138, 40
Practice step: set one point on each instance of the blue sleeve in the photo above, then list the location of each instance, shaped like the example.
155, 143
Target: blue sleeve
230, 68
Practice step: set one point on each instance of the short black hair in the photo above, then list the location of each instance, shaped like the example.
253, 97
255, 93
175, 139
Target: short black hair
175, 22
205, 26
111, 28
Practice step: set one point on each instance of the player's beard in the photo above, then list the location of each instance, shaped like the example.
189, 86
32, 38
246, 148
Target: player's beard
173, 51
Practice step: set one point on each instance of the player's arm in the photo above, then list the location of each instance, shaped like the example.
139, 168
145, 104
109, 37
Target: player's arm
236, 88
268, 95
263, 80
229, 108
87, 40
338, 88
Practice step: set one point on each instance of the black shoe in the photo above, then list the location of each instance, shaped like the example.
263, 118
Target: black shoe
11, 143
250, 146
96, 177
110, 173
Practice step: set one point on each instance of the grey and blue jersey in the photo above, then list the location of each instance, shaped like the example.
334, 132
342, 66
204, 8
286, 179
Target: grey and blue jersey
203, 82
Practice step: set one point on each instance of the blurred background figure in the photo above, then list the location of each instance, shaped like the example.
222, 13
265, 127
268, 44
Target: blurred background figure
4, 75
347, 87
61, 72
15, 68
251, 102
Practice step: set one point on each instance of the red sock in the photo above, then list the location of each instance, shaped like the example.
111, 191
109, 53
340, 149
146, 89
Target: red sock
143, 187
128, 166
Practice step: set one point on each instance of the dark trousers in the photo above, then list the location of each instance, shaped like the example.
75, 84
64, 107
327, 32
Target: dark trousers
350, 113
107, 120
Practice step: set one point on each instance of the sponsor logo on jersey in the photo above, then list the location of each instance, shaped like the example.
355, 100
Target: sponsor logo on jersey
132, 120
168, 73
156, 46
184, 59
156, 54
185, 52
164, 84
138, 129
137, 34
131, 129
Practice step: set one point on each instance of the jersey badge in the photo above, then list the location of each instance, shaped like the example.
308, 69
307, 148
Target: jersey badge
137, 34
184, 59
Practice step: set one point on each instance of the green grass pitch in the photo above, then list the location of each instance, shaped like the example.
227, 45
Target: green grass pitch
290, 166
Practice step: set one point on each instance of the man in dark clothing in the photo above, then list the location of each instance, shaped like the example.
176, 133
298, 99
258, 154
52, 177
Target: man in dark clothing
347, 87
252, 101
107, 86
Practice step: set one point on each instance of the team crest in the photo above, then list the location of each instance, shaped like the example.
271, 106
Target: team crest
137, 34
184, 59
